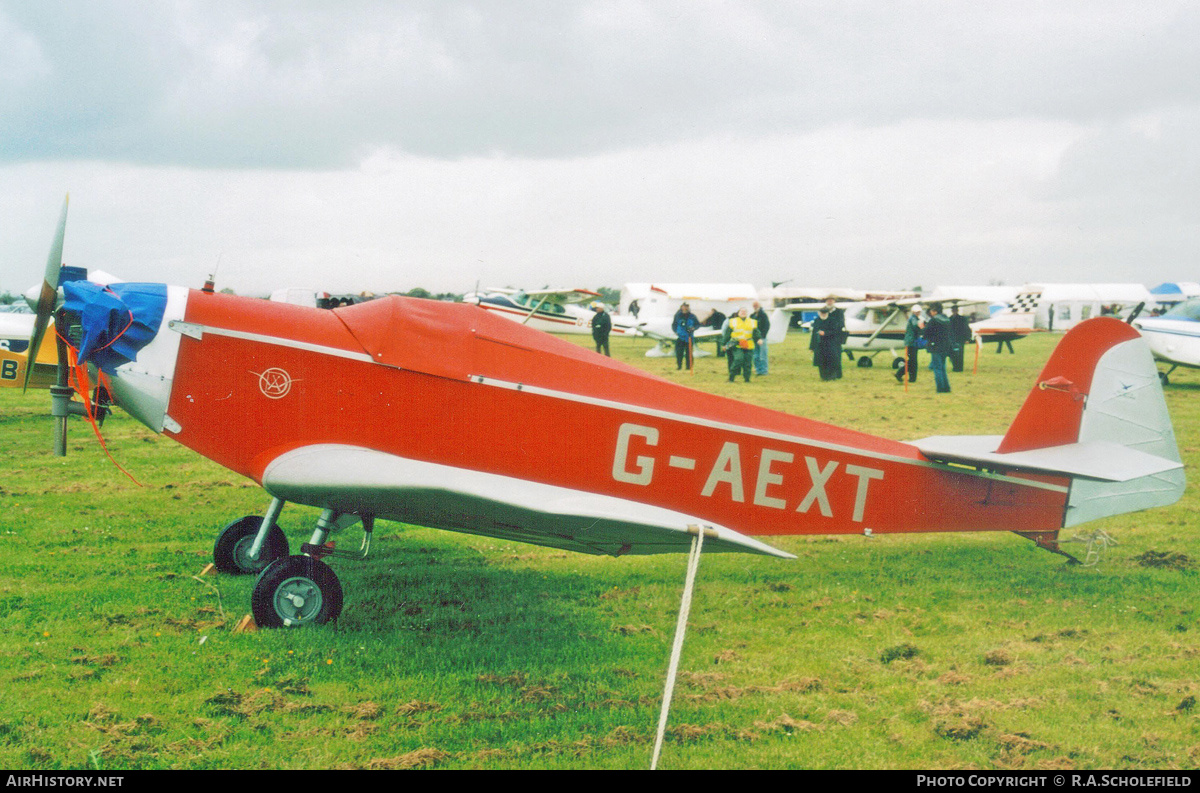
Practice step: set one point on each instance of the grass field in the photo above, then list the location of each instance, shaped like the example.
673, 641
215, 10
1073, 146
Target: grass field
453, 651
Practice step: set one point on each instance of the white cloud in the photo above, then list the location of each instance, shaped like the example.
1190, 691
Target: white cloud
219, 84
382, 145
875, 206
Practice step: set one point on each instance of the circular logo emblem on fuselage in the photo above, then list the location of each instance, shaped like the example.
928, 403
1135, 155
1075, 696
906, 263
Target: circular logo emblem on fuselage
275, 383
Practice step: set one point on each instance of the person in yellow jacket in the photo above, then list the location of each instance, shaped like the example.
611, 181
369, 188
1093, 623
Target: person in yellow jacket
740, 339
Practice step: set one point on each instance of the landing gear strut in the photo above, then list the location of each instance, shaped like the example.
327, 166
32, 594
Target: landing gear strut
232, 551
291, 591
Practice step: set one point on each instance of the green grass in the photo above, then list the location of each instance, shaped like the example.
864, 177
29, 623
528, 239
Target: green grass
928, 651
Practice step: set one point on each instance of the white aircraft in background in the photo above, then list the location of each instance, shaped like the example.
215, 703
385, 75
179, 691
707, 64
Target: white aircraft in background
814, 296
653, 307
1172, 292
551, 310
982, 301
561, 310
877, 326
1174, 337
15, 329
1050, 307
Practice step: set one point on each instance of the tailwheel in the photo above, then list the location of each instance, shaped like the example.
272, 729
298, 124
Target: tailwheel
296, 591
231, 553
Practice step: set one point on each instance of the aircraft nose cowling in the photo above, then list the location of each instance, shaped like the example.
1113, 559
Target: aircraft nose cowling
116, 321
122, 334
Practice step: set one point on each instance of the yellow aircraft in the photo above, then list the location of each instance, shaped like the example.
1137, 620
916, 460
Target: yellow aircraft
45, 366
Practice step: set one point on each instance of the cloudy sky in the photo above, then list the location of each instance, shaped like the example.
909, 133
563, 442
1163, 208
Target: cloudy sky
384, 145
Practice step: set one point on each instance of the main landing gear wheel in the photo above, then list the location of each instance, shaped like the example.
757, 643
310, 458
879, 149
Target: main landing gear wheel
897, 363
864, 362
231, 553
296, 591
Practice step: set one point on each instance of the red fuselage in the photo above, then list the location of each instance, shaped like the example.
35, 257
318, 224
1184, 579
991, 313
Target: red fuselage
450, 384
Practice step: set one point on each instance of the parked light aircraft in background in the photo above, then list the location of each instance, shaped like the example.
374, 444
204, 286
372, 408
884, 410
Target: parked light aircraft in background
1051, 307
977, 302
558, 310
1172, 292
783, 296
1174, 337
405, 409
664, 299
551, 310
15, 330
657, 303
873, 327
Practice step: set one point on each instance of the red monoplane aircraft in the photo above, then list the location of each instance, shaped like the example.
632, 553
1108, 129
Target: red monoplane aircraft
441, 415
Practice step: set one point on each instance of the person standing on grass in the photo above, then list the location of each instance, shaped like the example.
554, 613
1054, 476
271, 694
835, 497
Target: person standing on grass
740, 339
912, 338
601, 327
826, 342
938, 343
716, 320
760, 351
684, 325
960, 336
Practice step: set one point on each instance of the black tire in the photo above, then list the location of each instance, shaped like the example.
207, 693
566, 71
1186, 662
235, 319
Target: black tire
897, 363
864, 362
230, 552
1162, 377
295, 592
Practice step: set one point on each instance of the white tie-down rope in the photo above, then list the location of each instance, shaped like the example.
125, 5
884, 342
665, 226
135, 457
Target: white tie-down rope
1097, 541
680, 629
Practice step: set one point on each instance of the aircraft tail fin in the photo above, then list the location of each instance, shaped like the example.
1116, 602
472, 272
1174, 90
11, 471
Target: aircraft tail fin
1096, 415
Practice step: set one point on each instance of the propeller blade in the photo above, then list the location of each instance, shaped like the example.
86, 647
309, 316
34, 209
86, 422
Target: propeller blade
49, 293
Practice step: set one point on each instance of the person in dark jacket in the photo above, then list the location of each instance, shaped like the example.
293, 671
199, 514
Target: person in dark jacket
960, 337
828, 333
764, 327
938, 343
684, 326
716, 320
912, 340
601, 327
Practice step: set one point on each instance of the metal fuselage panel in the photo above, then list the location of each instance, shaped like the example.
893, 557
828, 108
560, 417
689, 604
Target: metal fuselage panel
543, 410
143, 387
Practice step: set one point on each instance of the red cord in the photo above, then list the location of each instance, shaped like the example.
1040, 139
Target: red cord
82, 385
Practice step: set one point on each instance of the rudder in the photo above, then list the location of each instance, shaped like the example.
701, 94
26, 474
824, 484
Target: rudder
1101, 384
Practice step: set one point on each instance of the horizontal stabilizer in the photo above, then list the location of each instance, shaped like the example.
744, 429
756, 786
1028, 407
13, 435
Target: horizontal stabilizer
1101, 460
